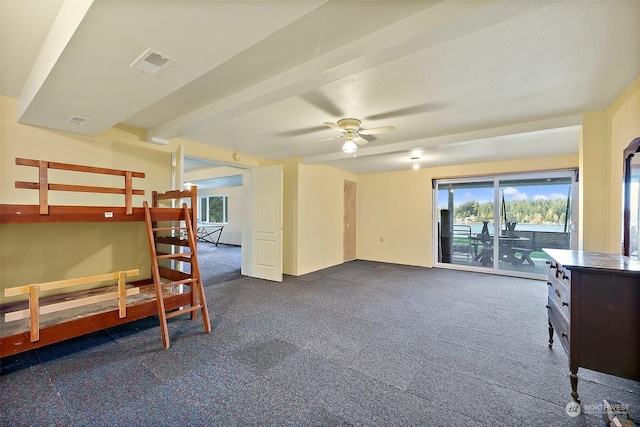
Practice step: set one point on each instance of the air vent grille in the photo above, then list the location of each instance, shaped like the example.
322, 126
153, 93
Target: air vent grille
151, 62
78, 120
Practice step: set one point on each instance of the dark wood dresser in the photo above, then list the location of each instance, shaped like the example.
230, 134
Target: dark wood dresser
594, 308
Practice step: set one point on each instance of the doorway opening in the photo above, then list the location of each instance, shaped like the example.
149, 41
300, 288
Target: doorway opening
220, 216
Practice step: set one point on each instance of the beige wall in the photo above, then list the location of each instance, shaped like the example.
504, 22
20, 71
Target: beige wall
398, 207
232, 232
394, 222
217, 154
394, 206
32, 253
624, 117
290, 216
605, 134
594, 182
320, 215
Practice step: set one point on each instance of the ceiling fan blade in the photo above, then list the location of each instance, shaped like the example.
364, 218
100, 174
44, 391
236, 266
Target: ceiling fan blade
333, 126
360, 140
373, 131
416, 109
300, 132
322, 102
327, 139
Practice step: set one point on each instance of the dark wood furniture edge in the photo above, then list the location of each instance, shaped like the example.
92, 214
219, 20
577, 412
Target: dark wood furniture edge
599, 283
607, 261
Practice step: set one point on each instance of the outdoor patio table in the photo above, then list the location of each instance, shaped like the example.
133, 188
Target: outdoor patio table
509, 248
483, 249
483, 255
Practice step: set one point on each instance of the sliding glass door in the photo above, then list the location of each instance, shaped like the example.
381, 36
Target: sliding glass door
465, 216
502, 223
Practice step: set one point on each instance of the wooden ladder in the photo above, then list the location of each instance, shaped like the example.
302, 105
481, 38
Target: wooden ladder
174, 278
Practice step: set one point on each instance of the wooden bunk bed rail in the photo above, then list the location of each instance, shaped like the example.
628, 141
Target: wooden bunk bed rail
173, 195
35, 309
43, 185
21, 336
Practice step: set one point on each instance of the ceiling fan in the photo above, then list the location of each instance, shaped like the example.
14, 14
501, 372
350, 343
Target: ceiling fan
352, 132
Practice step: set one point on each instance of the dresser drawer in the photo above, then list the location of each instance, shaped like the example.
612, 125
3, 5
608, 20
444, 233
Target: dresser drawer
560, 324
562, 275
560, 295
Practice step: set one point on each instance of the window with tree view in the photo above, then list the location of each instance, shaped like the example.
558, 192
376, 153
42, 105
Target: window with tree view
214, 209
504, 222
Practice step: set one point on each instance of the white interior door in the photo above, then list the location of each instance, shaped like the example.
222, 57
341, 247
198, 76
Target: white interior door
263, 234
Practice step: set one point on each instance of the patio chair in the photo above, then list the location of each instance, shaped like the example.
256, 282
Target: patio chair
462, 244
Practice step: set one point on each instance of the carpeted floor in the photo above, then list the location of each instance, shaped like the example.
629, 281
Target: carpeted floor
363, 343
220, 263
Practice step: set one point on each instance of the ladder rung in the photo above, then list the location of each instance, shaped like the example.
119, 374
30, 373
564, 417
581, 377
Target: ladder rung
178, 255
175, 241
180, 282
183, 311
168, 228
183, 259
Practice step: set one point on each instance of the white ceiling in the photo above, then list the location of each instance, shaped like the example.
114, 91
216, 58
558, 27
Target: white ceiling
461, 81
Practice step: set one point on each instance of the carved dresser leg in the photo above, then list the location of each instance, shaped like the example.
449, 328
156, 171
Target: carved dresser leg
574, 386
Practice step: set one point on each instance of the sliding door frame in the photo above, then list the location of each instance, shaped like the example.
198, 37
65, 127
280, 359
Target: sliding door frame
497, 178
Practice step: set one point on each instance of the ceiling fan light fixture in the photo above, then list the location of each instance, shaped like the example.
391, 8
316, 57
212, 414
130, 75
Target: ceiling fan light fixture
349, 146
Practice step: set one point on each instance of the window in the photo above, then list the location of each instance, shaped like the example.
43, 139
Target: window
214, 209
503, 222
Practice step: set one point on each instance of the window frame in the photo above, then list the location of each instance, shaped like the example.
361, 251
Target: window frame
437, 183
204, 206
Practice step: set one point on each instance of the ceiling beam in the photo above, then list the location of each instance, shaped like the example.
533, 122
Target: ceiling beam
438, 24
67, 22
559, 124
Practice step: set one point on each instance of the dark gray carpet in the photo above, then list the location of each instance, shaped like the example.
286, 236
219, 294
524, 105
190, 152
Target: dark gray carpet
220, 263
363, 343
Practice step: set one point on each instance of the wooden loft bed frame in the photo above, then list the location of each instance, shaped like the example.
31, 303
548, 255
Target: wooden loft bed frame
87, 315
43, 212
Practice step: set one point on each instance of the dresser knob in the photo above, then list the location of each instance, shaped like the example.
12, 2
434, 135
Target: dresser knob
548, 308
565, 304
549, 284
564, 334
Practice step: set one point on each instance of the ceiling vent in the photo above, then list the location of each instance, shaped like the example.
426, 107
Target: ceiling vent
151, 62
78, 120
